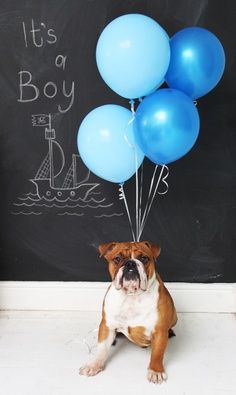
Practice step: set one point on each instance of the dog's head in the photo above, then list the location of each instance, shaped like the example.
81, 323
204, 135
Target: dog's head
131, 265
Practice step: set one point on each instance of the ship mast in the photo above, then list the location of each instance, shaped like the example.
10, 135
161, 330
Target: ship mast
74, 170
50, 135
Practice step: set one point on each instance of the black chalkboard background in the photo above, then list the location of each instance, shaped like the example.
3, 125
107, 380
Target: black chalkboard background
41, 240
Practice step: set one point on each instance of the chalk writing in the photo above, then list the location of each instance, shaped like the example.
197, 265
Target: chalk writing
55, 186
60, 61
35, 36
29, 91
39, 35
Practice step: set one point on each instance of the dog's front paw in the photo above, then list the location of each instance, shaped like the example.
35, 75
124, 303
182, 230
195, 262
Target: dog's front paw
91, 369
156, 377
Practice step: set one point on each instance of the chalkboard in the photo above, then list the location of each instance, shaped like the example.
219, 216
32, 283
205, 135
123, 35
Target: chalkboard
48, 83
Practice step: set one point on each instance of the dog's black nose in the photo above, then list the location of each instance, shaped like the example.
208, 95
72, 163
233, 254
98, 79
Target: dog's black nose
130, 272
130, 265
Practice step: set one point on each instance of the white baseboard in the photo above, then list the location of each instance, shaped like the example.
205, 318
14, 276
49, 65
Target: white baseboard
88, 296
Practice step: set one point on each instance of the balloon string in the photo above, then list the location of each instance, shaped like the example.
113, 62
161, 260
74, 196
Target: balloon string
140, 202
149, 204
132, 103
136, 195
122, 196
154, 193
148, 199
139, 190
165, 182
153, 190
150, 191
121, 190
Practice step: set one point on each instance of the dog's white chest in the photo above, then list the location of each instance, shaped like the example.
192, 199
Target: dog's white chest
124, 311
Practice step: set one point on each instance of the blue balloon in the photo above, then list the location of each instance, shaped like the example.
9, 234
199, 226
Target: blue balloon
133, 54
166, 125
197, 61
107, 145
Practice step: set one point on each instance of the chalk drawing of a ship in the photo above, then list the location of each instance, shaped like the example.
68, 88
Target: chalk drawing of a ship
75, 184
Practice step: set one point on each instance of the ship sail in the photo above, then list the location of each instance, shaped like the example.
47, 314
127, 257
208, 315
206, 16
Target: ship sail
44, 170
68, 181
60, 160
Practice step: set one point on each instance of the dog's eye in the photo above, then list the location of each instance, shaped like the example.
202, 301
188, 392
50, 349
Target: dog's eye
144, 259
117, 259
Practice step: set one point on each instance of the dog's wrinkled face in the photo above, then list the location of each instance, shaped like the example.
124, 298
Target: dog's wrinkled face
131, 265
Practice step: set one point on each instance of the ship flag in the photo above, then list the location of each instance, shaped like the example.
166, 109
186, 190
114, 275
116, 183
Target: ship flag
43, 120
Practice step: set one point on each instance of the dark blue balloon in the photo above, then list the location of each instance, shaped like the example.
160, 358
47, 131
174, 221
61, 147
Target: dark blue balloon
197, 61
166, 125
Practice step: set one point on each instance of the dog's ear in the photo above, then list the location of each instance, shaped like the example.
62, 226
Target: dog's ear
155, 248
105, 248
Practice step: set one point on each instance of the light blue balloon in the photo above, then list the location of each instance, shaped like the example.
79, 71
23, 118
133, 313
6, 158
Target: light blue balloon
166, 125
107, 144
197, 61
133, 54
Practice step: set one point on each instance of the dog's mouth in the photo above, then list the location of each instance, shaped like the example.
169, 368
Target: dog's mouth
131, 278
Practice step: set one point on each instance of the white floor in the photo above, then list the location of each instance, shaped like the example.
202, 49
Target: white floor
41, 352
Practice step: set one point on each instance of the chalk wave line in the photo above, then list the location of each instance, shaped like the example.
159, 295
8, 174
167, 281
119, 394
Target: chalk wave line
31, 194
22, 213
29, 198
68, 206
76, 214
109, 215
54, 199
94, 200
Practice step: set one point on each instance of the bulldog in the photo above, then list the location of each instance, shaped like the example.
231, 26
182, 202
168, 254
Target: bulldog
136, 304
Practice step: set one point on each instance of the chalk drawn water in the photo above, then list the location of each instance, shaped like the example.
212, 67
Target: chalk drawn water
73, 195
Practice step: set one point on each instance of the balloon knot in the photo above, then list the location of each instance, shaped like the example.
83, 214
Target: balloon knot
132, 103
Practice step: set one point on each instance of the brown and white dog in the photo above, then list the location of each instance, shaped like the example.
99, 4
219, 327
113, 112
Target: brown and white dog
136, 304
